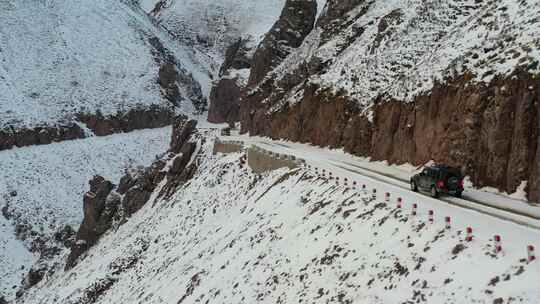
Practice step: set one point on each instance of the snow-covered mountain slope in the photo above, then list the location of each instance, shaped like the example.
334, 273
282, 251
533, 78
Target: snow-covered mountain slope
401, 49
62, 58
42, 187
231, 236
211, 26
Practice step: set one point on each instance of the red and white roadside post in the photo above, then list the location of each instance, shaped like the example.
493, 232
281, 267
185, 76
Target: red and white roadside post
431, 218
323, 172
337, 180
354, 184
346, 182
330, 175
399, 203
364, 187
387, 196
374, 194
530, 253
414, 209
469, 235
497, 243
447, 222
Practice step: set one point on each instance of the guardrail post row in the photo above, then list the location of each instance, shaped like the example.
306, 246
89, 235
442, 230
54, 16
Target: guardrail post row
530, 253
497, 241
448, 222
469, 235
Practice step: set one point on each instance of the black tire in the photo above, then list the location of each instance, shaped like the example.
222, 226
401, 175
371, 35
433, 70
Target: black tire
458, 194
434, 192
414, 187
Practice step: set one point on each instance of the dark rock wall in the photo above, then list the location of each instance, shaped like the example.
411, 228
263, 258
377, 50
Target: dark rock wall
295, 23
138, 118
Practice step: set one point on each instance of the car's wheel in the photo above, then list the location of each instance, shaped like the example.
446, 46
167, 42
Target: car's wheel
434, 192
414, 187
458, 194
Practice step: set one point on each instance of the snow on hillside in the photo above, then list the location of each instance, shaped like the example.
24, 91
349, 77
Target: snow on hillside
49, 181
402, 48
212, 25
59, 58
229, 236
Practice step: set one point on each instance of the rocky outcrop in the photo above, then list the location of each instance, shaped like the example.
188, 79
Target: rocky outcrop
98, 212
106, 206
97, 123
226, 92
225, 101
295, 23
135, 119
10, 137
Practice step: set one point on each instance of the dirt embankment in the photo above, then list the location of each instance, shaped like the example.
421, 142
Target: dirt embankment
491, 131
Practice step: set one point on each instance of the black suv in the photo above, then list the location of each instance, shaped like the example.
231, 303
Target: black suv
438, 179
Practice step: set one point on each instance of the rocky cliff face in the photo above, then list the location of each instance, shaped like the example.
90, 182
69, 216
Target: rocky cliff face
294, 24
356, 83
226, 92
107, 206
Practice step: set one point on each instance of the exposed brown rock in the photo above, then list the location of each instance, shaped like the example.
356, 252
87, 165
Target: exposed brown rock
295, 23
490, 131
100, 125
225, 101
134, 119
226, 92
94, 204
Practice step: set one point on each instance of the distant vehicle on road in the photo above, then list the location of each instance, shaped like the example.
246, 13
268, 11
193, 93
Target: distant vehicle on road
438, 179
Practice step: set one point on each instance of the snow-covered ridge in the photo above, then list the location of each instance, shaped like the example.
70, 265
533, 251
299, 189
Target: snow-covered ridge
401, 49
60, 58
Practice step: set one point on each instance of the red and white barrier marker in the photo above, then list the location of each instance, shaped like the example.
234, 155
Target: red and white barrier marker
399, 202
414, 209
448, 222
374, 194
364, 187
387, 196
346, 181
431, 219
337, 180
469, 235
354, 184
330, 175
498, 246
530, 253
